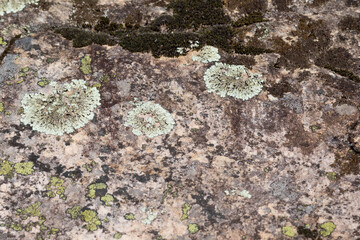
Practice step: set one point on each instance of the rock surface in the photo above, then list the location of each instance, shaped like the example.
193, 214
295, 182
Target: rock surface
284, 164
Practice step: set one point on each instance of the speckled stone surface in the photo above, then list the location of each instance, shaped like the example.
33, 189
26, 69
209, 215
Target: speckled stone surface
282, 165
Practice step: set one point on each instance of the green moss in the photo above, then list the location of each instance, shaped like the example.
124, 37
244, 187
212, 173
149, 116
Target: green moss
218, 36
6, 168
117, 235
129, 216
249, 50
107, 198
159, 44
43, 82
85, 67
327, 228
91, 218
56, 186
195, 13
82, 38
2, 42
25, 168
288, 231
1, 107
344, 73
92, 188
252, 18
193, 228
185, 210
74, 211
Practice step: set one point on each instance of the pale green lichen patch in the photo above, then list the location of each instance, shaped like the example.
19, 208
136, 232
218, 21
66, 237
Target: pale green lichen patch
65, 109
331, 176
85, 67
107, 199
32, 210
207, 54
288, 231
1, 107
74, 211
185, 210
56, 186
88, 216
25, 168
117, 235
151, 215
12, 6
149, 119
233, 80
92, 188
54, 231
193, 228
91, 219
129, 216
6, 168
2, 42
43, 82
327, 228
16, 226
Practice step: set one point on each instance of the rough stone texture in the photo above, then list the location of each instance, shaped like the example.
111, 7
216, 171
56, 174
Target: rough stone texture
295, 147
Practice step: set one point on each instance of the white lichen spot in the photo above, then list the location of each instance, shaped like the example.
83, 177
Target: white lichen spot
244, 193
66, 108
151, 216
207, 54
149, 119
13, 6
233, 80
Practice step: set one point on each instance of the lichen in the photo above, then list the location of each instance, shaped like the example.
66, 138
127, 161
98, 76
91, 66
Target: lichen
151, 216
288, 231
54, 231
43, 82
1, 107
327, 228
185, 210
13, 6
92, 188
193, 228
331, 176
91, 218
65, 109
117, 235
58, 185
149, 119
85, 67
129, 216
207, 54
32, 210
6, 168
2, 42
74, 211
233, 80
107, 198
25, 168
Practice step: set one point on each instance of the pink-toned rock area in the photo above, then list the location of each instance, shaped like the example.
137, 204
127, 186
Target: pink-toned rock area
284, 164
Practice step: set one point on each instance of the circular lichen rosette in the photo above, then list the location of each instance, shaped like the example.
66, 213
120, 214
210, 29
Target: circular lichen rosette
66, 108
233, 80
207, 54
149, 119
12, 6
